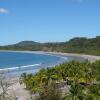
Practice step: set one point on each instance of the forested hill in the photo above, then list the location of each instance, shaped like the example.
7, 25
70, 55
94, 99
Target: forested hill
75, 45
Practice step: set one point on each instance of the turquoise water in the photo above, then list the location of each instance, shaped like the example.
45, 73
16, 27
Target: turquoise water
14, 59
24, 61
19, 61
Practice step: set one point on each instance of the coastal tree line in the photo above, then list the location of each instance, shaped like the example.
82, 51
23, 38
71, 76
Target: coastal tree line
75, 45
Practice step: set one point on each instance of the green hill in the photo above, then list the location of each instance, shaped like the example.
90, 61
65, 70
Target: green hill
75, 45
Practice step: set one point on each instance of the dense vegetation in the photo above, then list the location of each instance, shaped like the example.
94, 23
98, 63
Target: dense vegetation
68, 81
75, 45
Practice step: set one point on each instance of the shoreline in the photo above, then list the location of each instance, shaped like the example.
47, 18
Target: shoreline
20, 91
91, 58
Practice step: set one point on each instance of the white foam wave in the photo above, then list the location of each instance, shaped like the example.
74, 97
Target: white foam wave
14, 68
29, 66
9, 68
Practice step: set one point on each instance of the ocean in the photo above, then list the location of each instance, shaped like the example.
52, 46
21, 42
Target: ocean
19, 62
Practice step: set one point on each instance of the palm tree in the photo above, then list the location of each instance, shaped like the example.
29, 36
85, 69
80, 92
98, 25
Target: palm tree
75, 93
50, 93
62, 72
89, 97
93, 90
88, 72
74, 71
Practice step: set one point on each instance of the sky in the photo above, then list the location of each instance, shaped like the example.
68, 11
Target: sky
48, 20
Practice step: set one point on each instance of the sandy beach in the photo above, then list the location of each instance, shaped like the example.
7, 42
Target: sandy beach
16, 90
91, 58
19, 91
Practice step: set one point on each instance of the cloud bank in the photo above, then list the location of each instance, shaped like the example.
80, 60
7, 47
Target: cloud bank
3, 11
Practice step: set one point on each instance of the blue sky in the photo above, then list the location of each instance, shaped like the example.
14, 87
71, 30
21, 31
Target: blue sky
48, 20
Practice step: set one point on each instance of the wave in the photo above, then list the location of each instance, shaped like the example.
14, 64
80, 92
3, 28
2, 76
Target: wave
29, 66
9, 68
14, 68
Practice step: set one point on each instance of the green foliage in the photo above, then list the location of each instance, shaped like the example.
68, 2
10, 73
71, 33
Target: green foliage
83, 78
75, 93
75, 45
50, 92
95, 89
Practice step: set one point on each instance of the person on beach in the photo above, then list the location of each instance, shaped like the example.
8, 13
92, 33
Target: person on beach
17, 97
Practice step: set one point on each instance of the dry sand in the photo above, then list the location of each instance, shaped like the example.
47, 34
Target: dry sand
91, 58
17, 90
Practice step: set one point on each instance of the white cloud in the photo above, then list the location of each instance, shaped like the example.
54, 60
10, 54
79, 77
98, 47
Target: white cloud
3, 10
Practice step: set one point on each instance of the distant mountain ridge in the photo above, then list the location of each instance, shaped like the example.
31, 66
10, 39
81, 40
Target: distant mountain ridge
75, 45
28, 43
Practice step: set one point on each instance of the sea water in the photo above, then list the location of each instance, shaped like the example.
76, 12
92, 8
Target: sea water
19, 62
